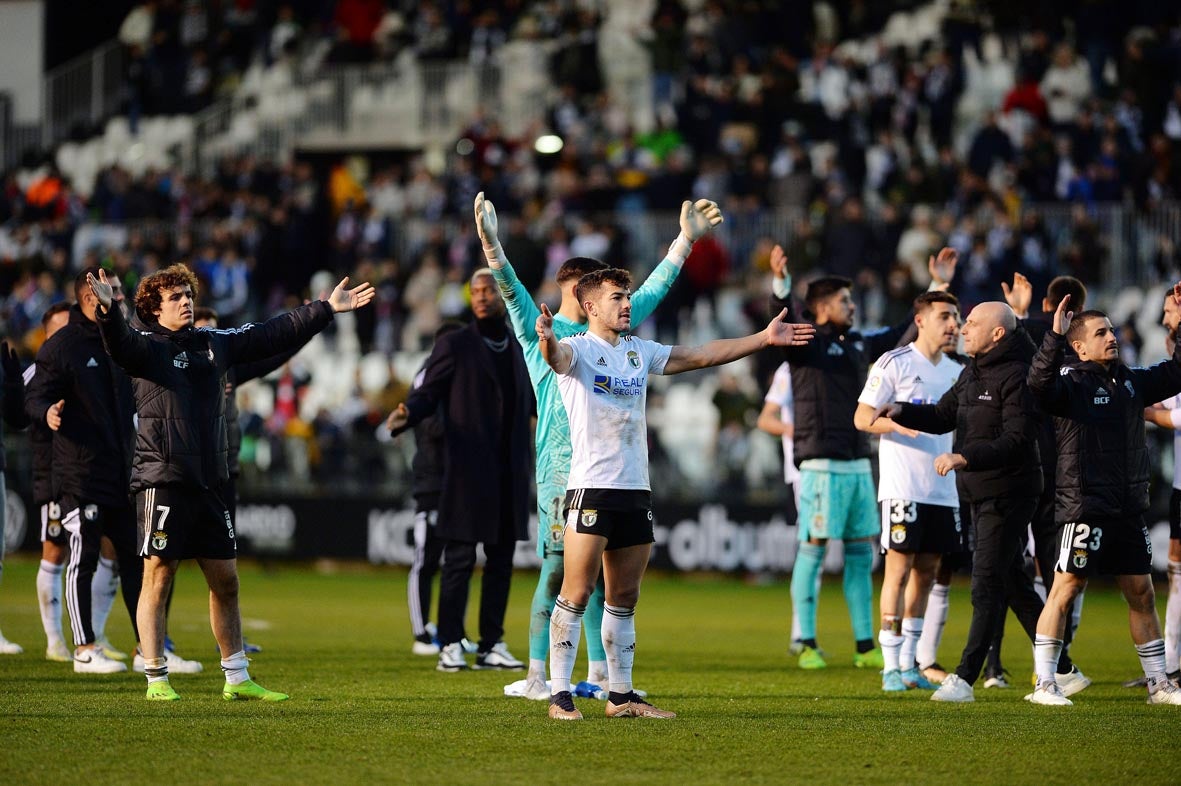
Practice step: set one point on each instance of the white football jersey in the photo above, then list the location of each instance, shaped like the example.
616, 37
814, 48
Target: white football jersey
604, 393
907, 464
1171, 404
780, 393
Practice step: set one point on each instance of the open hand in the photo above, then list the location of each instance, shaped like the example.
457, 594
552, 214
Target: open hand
544, 324
1062, 317
788, 334
486, 224
343, 299
698, 218
101, 288
942, 266
1019, 296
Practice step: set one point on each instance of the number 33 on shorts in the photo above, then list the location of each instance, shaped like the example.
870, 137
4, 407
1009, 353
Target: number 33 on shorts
1079, 541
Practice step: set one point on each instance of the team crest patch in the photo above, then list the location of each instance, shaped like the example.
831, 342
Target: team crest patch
590, 518
875, 382
90, 512
55, 529
159, 540
897, 533
1128, 385
633, 358
1080, 558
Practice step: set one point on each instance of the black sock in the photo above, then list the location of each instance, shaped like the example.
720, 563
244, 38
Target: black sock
618, 698
865, 645
810, 643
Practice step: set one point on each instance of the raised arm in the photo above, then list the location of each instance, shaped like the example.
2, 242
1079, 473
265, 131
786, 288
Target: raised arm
522, 311
1046, 384
777, 334
697, 220
557, 355
434, 389
127, 347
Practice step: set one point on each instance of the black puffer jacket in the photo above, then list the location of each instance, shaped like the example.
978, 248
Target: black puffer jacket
92, 449
41, 447
995, 420
13, 405
1103, 462
179, 380
827, 376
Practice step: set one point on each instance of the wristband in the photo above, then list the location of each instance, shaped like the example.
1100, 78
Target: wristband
679, 251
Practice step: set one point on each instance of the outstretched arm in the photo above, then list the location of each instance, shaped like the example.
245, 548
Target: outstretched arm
557, 355
130, 350
697, 220
295, 328
777, 334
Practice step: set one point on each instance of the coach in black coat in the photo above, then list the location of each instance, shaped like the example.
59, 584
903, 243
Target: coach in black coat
995, 458
478, 374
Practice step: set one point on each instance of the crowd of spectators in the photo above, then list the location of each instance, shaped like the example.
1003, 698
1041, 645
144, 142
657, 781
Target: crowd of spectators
1003, 136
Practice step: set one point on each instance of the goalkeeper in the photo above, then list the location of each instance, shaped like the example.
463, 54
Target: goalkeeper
553, 430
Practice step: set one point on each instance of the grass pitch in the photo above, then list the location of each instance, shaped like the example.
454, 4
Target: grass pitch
364, 710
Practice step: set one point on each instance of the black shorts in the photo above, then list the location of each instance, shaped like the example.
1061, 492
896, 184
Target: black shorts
52, 529
919, 528
624, 518
1175, 515
182, 523
1119, 547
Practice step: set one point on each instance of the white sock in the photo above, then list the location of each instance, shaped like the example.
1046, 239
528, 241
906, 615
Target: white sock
891, 643
156, 670
235, 668
536, 668
103, 588
597, 672
928, 648
1172, 619
1076, 613
1046, 651
1152, 660
1039, 586
619, 640
565, 630
912, 629
49, 598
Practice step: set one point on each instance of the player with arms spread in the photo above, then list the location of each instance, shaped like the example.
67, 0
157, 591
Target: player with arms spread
603, 379
553, 430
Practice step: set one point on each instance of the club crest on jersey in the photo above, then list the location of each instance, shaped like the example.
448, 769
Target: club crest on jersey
898, 533
181, 361
590, 518
90, 512
55, 529
633, 359
1128, 384
159, 540
1080, 558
